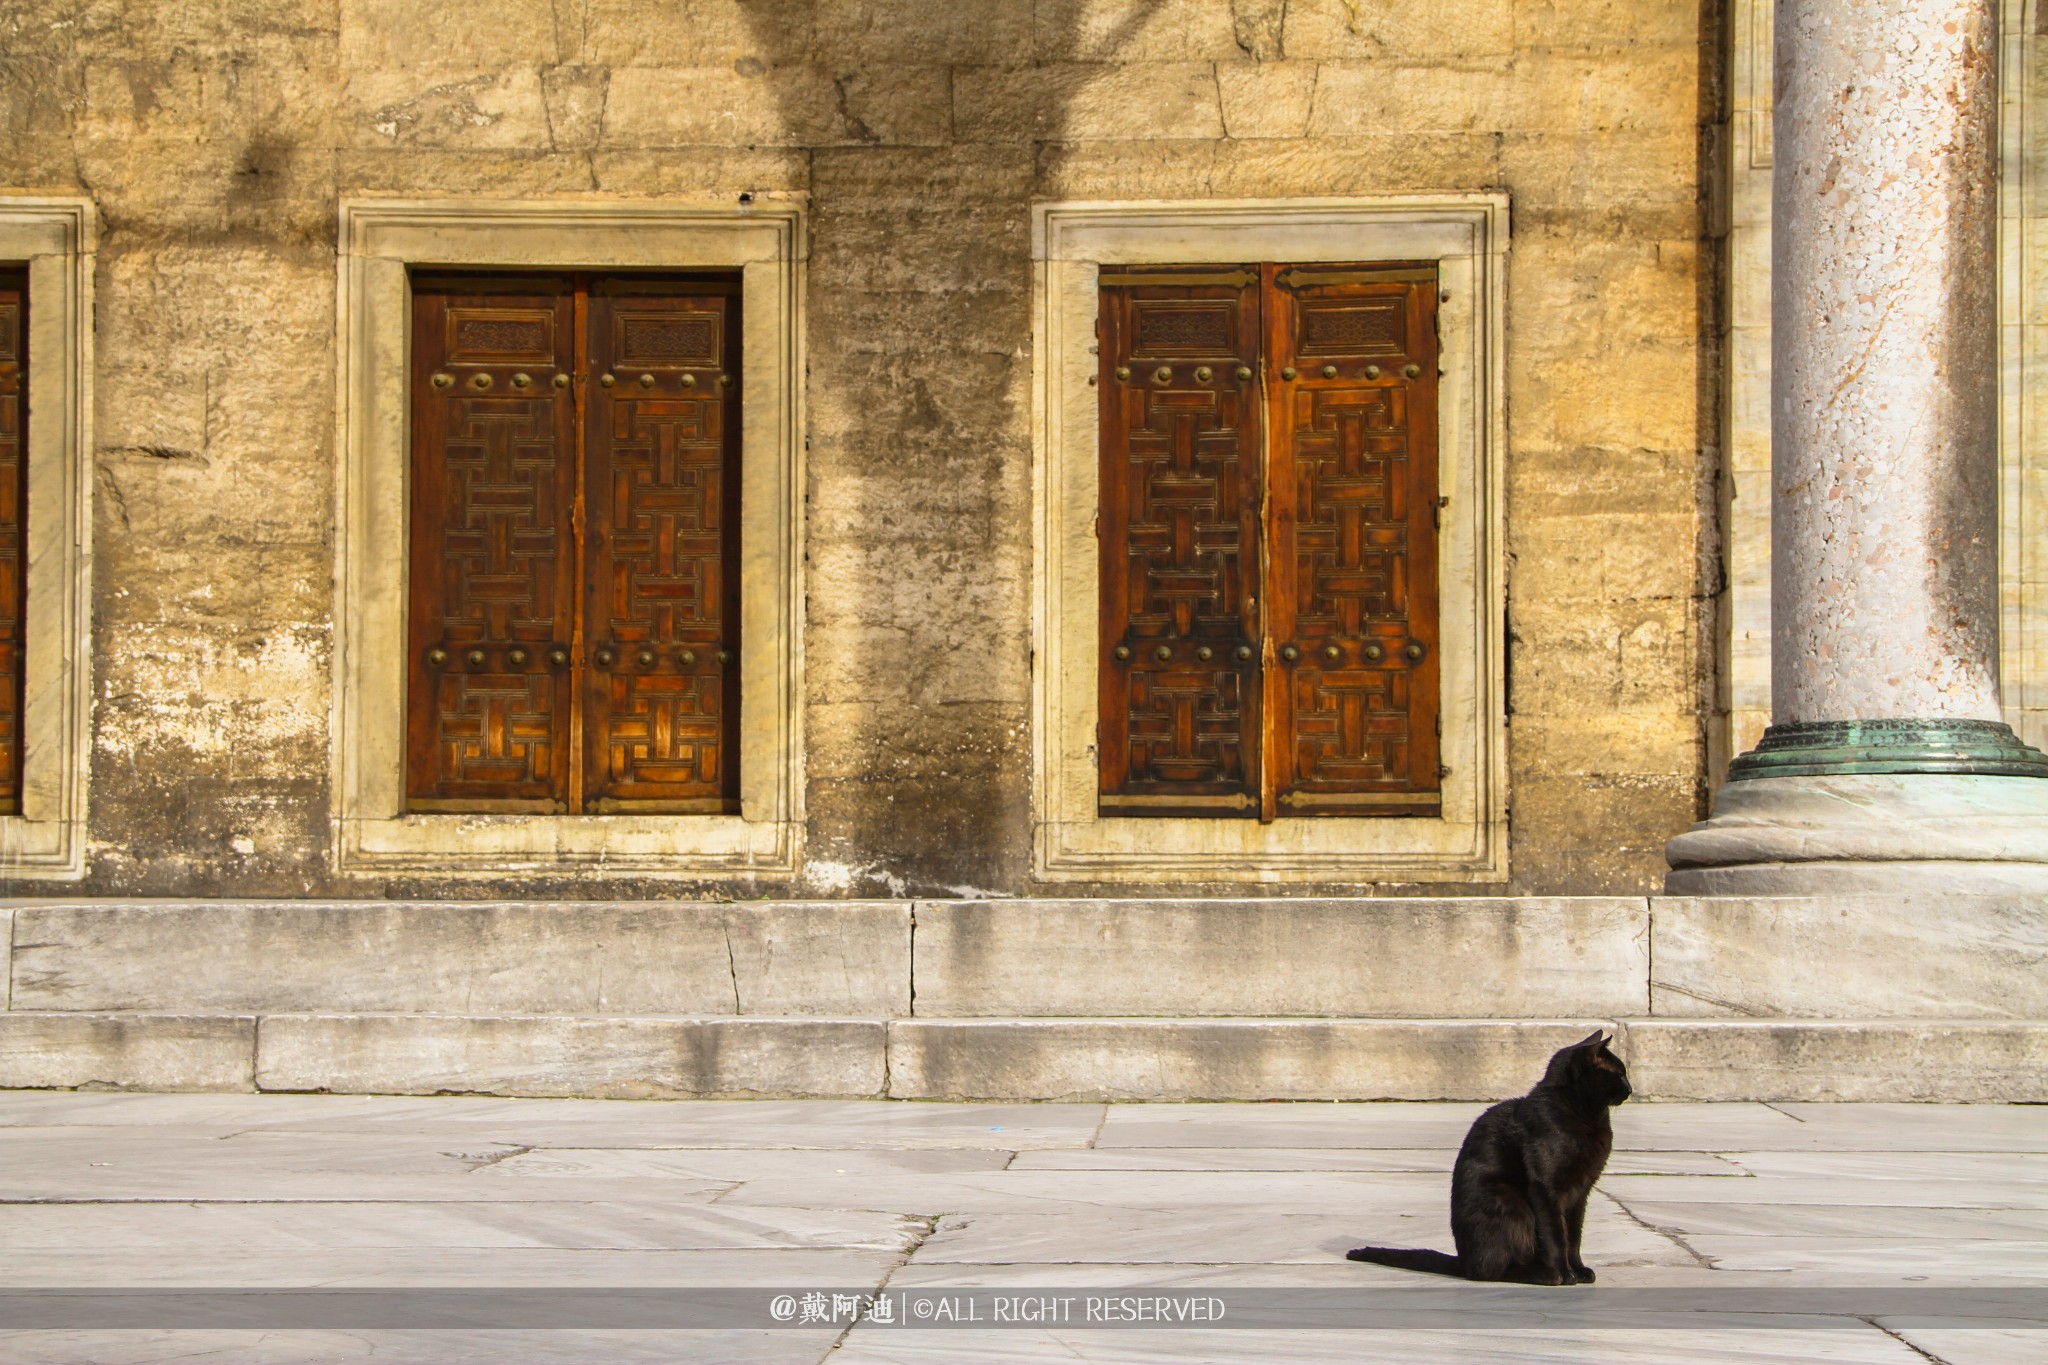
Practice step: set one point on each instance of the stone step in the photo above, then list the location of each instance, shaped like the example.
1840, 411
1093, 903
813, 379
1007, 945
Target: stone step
1213, 1058
1865, 956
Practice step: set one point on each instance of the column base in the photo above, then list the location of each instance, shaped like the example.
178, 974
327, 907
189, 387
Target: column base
1788, 836
1830, 748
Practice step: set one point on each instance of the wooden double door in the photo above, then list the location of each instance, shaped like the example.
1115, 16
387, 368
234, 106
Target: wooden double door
573, 614
1269, 624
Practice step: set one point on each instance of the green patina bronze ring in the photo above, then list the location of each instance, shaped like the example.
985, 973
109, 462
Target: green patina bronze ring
1834, 748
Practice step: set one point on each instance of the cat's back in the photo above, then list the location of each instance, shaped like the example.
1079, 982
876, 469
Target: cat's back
1494, 1139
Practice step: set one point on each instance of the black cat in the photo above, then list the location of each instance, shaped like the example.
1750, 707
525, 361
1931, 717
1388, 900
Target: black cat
1518, 1192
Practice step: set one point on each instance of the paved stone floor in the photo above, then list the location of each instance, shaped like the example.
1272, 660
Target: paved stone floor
1857, 1227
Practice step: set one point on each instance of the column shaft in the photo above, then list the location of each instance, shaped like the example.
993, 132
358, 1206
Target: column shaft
1884, 561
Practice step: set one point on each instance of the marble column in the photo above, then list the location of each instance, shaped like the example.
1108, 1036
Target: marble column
1886, 763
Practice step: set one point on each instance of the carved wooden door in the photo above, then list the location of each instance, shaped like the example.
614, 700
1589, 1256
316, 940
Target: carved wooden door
13, 522
1352, 599
1268, 541
573, 614
1181, 484
662, 591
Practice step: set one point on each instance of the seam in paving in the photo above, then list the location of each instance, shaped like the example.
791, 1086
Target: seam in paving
922, 1226
1922, 1352
1776, 1110
1663, 1232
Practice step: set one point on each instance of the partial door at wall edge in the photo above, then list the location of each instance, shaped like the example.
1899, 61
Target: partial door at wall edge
14, 418
573, 617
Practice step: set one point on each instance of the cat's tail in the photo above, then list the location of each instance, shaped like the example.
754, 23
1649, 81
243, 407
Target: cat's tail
1408, 1258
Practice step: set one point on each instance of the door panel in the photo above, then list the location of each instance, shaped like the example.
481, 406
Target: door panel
1354, 693
662, 498
493, 559
1180, 490
13, 526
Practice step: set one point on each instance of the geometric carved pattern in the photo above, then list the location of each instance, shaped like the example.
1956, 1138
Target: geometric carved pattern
558, 666
1356, 733
1180, 503
686, 339
1166, 328
493, 495
662, 581
13, 512
1360, 329
508, 335
1278, 661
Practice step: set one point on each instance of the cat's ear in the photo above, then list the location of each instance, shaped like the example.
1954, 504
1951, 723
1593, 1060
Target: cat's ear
1593, 1039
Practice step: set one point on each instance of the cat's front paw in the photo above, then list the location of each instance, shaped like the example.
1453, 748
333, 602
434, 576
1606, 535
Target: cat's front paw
1582, 1274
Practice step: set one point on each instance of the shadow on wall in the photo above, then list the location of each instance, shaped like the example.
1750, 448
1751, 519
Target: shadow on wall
932, 127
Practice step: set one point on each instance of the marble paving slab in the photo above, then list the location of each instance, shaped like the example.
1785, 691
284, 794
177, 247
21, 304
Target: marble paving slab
1437, 1160
1859, 1344
439, 1267
1242, 1236
370, 1191
1277, 1190
1839, 1220
779, 1347
169, 1228
737, 1164
1926, 1127
1974, 1345
1899, 1259
1952, 1194
1637, 1127
2017, 1168
671, 1123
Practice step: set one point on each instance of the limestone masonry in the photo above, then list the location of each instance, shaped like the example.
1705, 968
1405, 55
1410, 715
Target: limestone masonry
216, 143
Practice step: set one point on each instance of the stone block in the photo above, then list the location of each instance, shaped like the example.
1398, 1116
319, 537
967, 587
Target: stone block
565, 958
1477, 958
1606, 23
1564, 93
1569, 295
1266, 99
395, 33
1086, 100
6, 959
1950, 1062
775, 106
1645, 394
1118, 31
694, 32
1611, 743
889, 31
1378, 163
602, 1058
140, 1051
1850, 956
1605, 556
1448, 32
1599, 185
1221, 1059
389, 106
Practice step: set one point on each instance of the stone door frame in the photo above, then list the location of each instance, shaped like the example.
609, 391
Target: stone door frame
380, 240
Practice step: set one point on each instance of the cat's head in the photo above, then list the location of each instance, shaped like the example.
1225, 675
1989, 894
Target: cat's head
1589, 1070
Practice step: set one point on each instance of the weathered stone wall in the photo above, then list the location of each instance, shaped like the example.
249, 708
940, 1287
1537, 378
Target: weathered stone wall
216, 138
